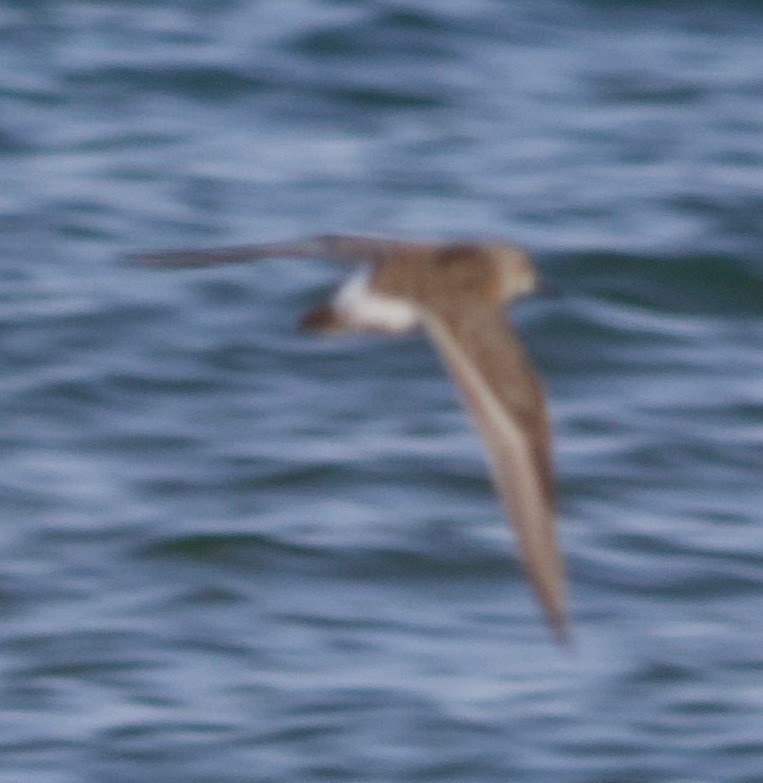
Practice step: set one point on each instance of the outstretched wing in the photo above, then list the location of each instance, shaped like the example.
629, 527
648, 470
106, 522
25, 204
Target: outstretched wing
335, 247
502, 393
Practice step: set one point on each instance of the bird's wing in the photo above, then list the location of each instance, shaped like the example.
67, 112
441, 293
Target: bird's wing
502, 393
335, 247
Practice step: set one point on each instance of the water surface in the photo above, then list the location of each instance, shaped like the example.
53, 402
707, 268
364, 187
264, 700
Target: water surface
235, 553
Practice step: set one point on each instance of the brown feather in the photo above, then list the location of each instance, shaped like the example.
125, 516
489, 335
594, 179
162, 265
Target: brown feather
505, 398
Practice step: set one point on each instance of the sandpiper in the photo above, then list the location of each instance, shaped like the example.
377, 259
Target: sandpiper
457, 293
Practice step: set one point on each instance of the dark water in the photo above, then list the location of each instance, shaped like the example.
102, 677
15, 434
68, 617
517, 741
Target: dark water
233, 553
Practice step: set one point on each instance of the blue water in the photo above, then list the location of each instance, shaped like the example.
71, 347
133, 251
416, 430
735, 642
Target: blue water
231, 552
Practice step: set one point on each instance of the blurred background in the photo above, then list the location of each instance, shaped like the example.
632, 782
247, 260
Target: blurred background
231, 552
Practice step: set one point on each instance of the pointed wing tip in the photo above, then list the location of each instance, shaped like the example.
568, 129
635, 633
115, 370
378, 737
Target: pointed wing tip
552, 603
561, 631
169, 259
213, 256
550, 592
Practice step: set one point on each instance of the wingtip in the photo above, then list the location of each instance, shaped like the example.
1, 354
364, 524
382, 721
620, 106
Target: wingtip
553, 606
162, 259
194, 259
560, 628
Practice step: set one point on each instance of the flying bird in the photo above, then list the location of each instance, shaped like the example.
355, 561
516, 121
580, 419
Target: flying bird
457, 293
